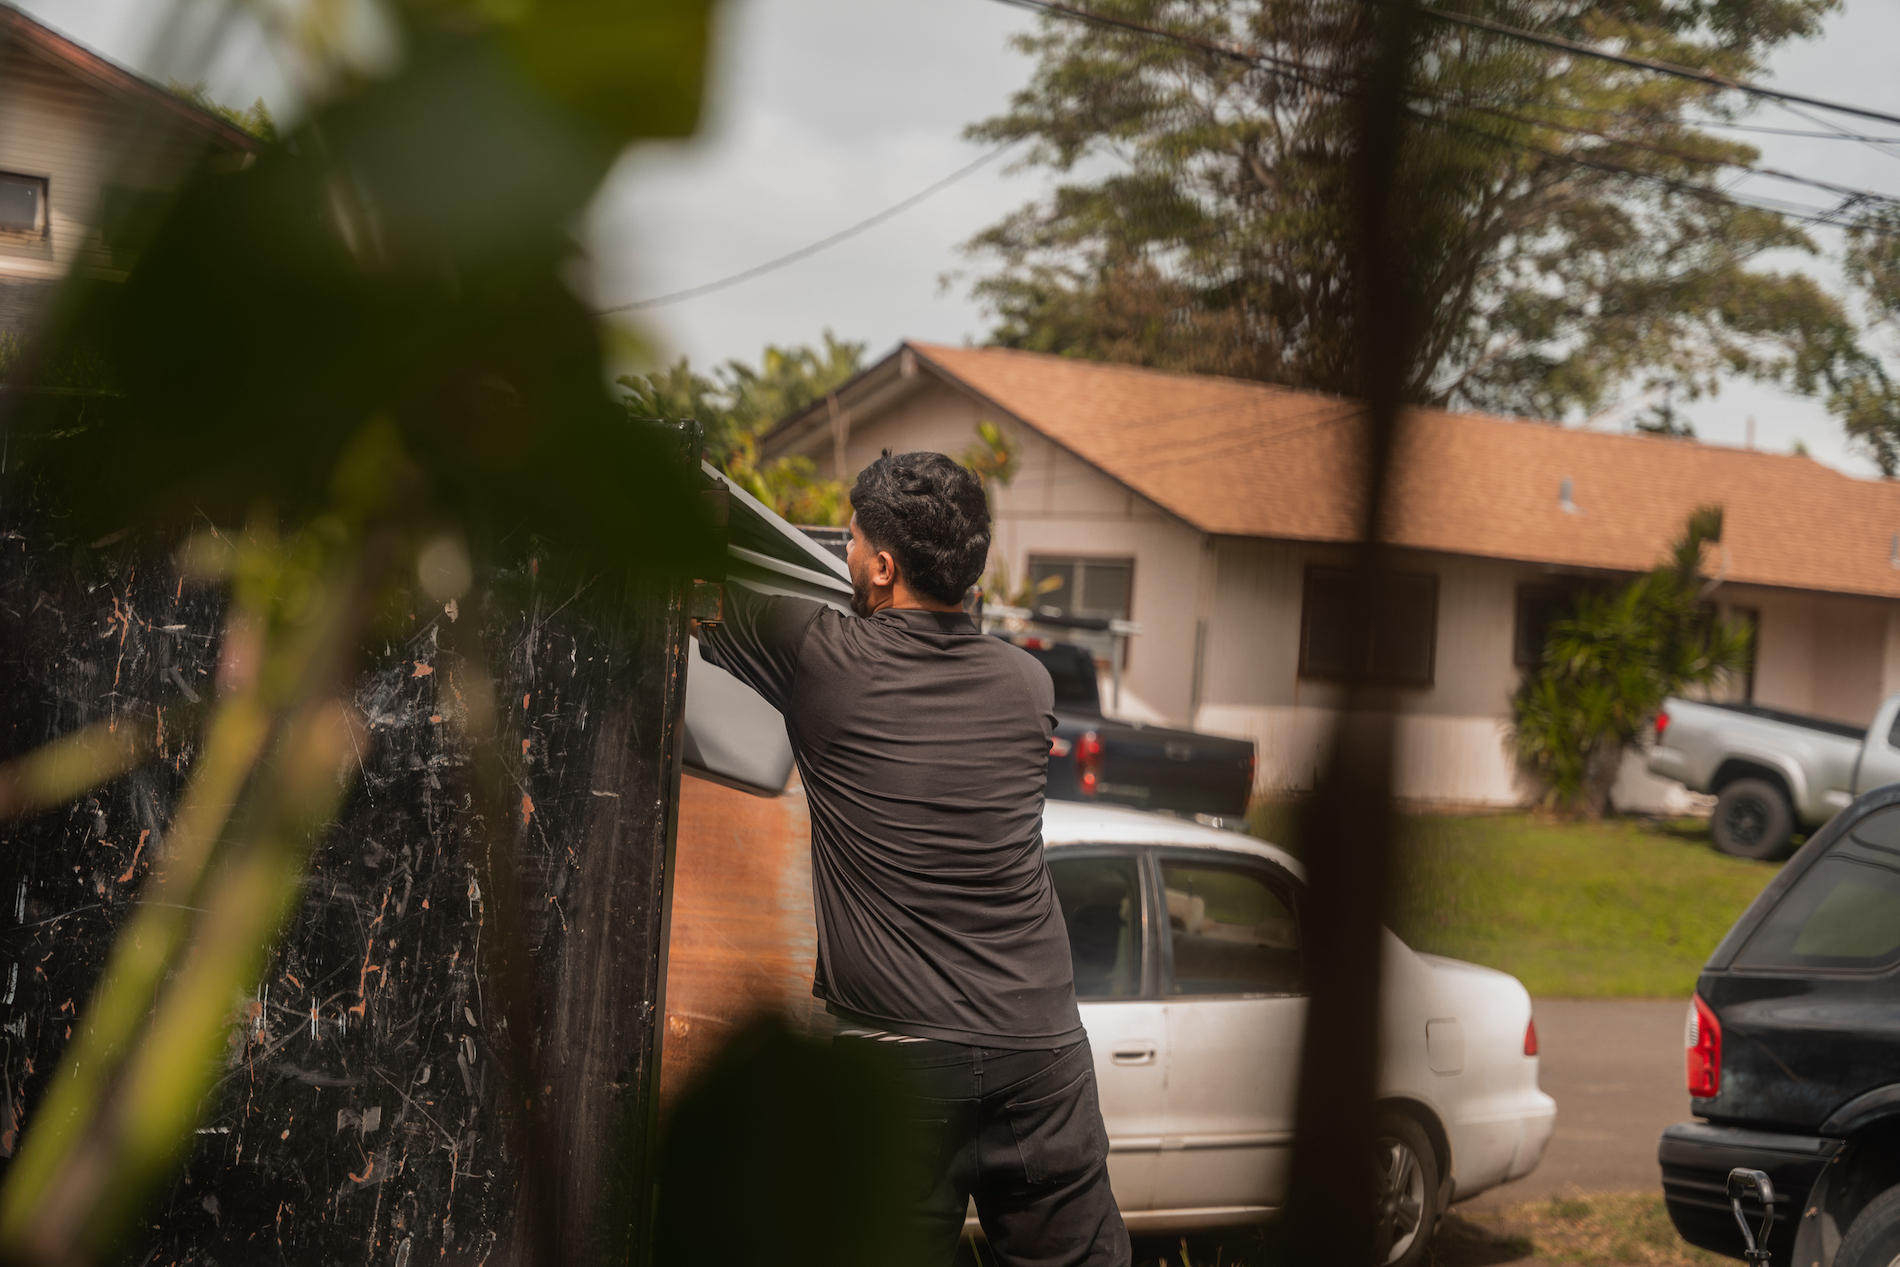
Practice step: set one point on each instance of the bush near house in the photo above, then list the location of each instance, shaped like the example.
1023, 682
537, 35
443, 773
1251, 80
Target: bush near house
1610, 664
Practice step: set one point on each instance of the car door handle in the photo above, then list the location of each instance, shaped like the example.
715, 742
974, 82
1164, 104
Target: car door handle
1134, 1054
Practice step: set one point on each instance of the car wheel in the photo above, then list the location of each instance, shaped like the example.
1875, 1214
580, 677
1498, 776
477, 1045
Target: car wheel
1873, 1238
1752, 820
1406, 1172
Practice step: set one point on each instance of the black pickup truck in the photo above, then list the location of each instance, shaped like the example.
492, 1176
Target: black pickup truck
1793, 1055
1097, 758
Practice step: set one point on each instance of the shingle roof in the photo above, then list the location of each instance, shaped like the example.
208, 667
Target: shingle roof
1247, 459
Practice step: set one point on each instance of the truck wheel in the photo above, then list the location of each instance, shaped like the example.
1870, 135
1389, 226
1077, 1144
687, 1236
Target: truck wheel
1753, 820
1873, 1238
1407, 1192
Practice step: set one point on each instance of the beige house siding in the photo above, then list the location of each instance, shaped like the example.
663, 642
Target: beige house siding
1825, 654
54, 127
76, 137
1452, 734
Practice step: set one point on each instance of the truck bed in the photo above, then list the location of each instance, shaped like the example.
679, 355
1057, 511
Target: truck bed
1706, 746
1146, 767
1827, 726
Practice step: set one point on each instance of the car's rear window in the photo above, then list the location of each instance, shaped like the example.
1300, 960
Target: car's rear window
1845, 912
1233, 931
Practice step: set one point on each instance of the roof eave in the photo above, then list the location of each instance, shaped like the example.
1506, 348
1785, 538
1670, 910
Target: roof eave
950, 376
109, 77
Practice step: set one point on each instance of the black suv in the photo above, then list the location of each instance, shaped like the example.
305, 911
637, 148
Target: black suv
1794, 1055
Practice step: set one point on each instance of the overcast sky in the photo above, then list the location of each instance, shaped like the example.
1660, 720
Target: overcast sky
825, 112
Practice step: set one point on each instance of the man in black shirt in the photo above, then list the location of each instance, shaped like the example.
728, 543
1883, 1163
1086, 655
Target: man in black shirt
923, 748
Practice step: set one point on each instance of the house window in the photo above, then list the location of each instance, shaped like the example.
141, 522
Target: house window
1539, 606
22, 205
1097, 588
1398, 648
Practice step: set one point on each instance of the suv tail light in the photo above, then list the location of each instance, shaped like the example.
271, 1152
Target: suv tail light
1088, 762
1530, 1037
1703, 1046
1662, 725
1058, 746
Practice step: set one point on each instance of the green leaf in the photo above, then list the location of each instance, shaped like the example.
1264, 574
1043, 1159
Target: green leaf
632, 68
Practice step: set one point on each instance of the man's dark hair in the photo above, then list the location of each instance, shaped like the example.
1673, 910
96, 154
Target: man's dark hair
931, 515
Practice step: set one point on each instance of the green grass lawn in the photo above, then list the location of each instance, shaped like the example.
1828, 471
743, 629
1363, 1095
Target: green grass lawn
1619, 908
1622, 908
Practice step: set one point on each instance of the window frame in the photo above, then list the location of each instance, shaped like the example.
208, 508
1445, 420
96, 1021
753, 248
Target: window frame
1750, 616
1278, 878
1032, 557
1144, 878
31, 237
1526, 592
1099, 645
1316, 571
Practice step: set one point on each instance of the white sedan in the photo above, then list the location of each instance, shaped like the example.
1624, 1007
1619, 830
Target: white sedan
1187, 964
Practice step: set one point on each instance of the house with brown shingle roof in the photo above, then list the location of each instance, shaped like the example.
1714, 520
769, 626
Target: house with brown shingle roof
1211, 512
87, 148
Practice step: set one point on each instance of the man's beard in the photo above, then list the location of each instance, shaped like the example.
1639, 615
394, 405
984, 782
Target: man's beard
860, 597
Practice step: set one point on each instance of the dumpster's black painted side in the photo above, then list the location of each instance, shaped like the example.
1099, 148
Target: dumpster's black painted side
360, 1114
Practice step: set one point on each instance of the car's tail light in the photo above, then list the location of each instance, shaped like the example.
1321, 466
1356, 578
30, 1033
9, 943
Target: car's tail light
1088, 762
1662, 725
1058, 746
1703, 1046
1530, 1037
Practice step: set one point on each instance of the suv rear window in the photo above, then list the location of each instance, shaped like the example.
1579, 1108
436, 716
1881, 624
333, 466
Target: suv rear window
1845, 912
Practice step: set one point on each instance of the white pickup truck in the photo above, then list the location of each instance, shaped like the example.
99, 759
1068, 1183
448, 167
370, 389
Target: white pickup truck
1772, 772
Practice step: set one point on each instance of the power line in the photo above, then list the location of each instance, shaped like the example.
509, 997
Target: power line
1229, 51
805, 252
1301, 73
1877, 144
1661, 68
1664, 151
1833, 134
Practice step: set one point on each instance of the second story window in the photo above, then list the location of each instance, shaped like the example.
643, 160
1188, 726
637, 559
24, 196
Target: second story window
22, 206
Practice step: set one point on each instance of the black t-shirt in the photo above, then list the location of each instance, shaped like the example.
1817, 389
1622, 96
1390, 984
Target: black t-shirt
923, 746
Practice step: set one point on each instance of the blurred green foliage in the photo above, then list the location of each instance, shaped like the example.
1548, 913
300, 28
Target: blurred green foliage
258, 120
358, 345
788, 1151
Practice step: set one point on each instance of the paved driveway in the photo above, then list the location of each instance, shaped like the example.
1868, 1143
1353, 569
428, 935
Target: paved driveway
1615, 1068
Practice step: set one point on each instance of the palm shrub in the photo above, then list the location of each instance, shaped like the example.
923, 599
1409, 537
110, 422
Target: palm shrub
1609, 665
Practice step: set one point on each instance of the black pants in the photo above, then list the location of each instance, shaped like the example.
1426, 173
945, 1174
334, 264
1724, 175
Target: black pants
1021, 1132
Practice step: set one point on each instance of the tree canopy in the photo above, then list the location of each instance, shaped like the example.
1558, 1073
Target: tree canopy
1584, 244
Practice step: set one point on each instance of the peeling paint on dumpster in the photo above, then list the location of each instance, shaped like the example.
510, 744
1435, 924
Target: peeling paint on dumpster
358, 1117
